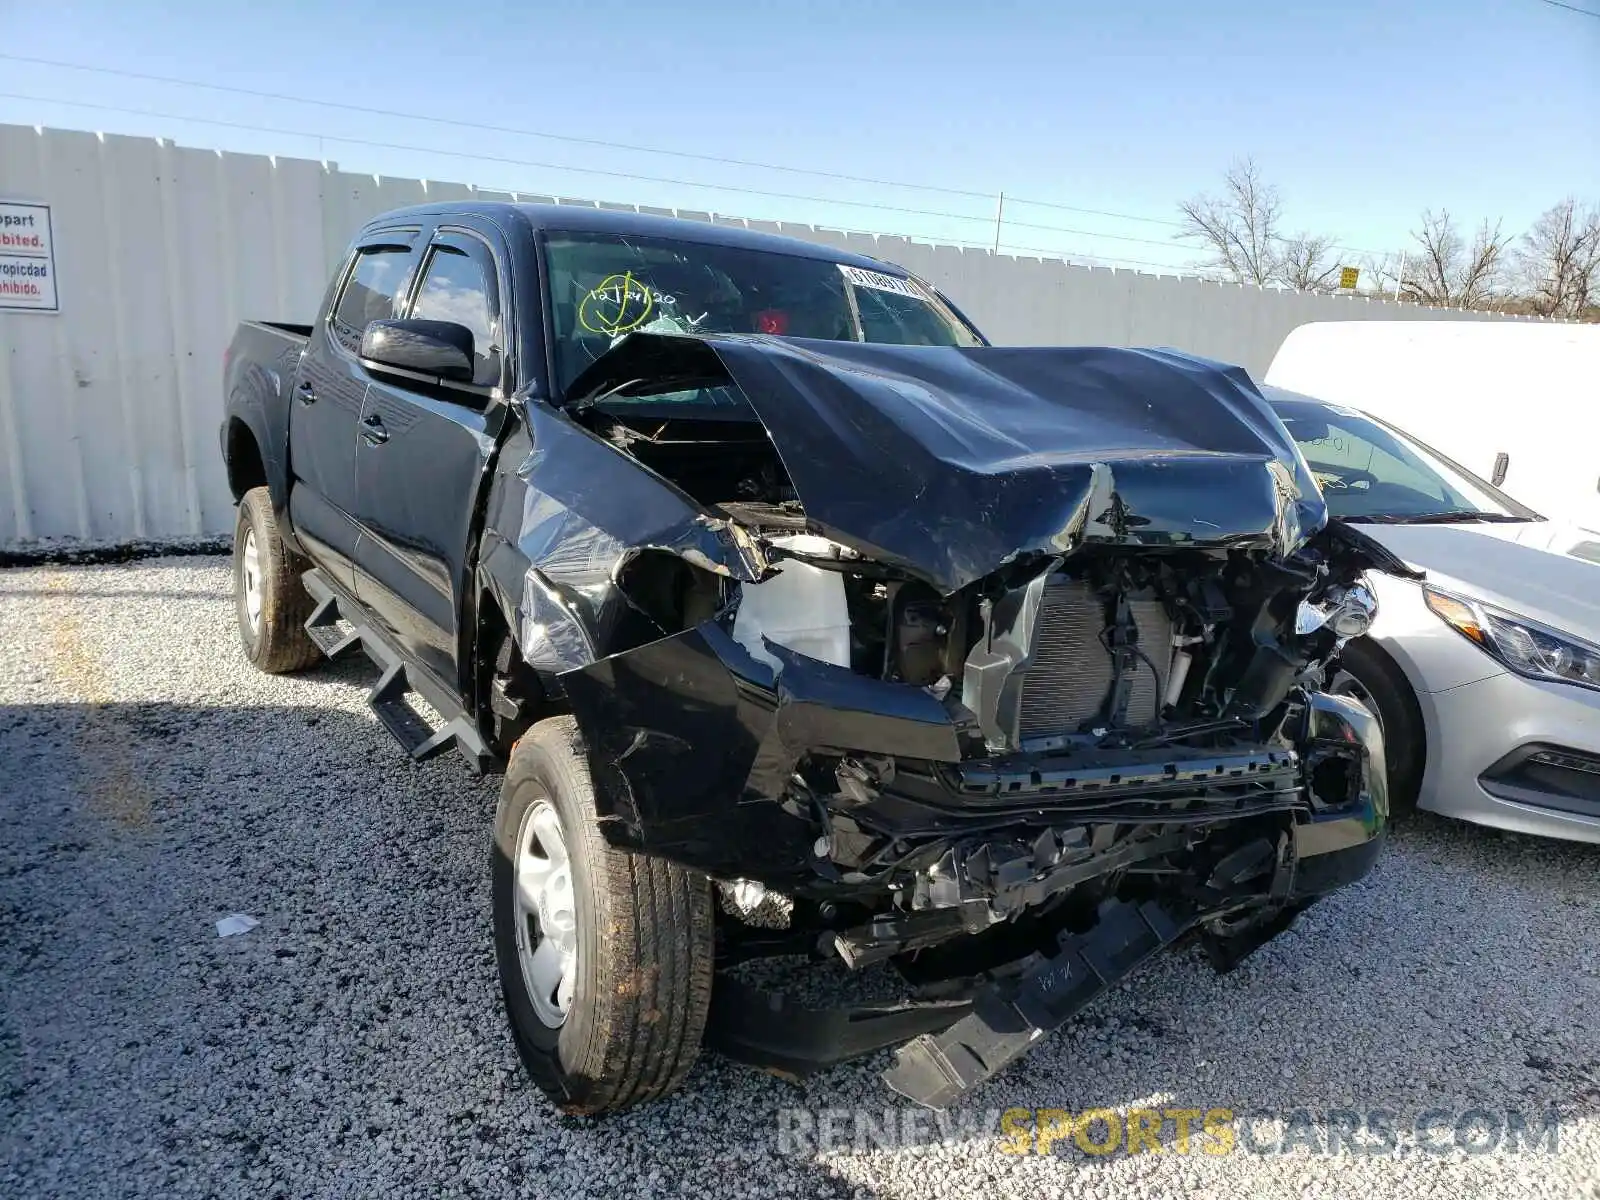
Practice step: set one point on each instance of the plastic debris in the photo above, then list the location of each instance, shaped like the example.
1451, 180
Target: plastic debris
236, 923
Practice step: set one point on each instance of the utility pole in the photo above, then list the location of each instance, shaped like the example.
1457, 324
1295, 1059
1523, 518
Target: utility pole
999, 213
1400, 274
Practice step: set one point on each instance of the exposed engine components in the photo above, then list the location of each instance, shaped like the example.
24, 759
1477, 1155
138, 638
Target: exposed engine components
921, 630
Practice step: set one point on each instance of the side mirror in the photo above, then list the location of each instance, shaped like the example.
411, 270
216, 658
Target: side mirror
1502, 464
441, 349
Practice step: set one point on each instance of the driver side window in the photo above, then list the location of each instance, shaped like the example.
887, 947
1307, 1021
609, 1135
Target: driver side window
454, 288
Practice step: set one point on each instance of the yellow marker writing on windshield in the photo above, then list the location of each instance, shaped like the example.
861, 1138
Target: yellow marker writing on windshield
615, 305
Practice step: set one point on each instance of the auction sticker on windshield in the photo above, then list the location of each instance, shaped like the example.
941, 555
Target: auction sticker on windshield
27, 258
882, 282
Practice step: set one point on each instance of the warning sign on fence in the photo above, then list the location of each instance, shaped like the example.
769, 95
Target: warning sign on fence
27, 258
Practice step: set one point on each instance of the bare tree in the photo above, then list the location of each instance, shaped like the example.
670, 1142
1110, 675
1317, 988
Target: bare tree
1307, 263
1447, 270
1380, 272
1558, 262
1238, 229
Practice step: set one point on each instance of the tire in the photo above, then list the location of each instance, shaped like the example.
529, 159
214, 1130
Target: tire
274, 635
640, 986
1368, 675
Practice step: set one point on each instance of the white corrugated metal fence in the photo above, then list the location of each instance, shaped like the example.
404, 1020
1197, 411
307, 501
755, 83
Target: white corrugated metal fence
109, 409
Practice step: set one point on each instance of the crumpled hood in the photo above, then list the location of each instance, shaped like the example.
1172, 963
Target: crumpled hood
952, 462
1541, 569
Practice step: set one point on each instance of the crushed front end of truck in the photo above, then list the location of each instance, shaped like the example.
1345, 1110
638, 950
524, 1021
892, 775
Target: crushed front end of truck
1013, 682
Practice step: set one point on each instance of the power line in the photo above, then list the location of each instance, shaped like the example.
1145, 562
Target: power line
572, 138
1571, 8
638, 149
766, 193
1066, 254
1116, 237
481, 157
614, 174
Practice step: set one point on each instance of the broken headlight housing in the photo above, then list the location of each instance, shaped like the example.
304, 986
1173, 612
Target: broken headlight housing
1523, 645
1348, 611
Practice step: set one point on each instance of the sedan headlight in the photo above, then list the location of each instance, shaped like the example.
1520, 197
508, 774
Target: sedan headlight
1525, 646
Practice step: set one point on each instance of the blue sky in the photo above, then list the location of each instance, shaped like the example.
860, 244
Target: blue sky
1363, 112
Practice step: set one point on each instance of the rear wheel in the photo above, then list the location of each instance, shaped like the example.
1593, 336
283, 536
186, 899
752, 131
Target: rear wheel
605, 956
1370, 677
269, 599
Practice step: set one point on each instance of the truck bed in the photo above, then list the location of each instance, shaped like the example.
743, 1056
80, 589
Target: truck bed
299, 331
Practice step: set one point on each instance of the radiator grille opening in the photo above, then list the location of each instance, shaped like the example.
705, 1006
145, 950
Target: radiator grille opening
1069, 674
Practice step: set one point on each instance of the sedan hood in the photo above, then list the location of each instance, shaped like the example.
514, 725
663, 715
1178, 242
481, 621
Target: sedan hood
950, 463
1536, 568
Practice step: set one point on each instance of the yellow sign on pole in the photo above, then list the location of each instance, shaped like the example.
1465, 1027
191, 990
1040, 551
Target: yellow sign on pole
1348, 276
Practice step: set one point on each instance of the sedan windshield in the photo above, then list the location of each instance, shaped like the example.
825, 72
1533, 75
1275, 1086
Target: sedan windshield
1369, 471
605, 286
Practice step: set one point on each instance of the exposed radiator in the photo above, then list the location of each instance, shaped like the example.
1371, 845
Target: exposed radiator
1069, 675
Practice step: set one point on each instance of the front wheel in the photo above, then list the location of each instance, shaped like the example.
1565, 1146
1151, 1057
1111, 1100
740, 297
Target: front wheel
605, 957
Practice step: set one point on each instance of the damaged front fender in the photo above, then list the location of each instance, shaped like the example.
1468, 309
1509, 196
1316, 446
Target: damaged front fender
564, 521
693, 743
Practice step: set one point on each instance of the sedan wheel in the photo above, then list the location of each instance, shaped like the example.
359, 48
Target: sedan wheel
1369, 677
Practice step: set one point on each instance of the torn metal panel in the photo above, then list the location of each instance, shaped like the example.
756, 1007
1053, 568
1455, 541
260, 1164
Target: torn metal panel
821, 706
577, 492
951, 462
685, 759
552, 636
585, 511
692, 742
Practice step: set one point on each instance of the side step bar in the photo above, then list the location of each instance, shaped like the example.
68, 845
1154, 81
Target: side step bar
388, 696
937, 1068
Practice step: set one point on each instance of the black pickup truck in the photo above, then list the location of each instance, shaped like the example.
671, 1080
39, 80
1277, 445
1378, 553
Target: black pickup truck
803, 622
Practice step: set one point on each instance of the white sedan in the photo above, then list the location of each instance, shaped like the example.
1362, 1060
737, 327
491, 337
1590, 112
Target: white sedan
1486, 676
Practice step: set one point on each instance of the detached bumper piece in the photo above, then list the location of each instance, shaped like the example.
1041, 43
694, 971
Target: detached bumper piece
767, 1030
1005, 1022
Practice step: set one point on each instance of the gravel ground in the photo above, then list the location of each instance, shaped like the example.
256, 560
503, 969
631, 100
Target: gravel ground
352, 1044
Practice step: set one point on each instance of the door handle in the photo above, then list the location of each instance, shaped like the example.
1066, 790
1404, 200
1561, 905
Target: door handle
374, 433
307, 393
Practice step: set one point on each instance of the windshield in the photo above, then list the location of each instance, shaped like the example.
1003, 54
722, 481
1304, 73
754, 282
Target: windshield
605, 286
1370, 472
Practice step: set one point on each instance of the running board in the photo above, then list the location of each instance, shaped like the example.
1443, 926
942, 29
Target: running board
322, 626
389, 696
